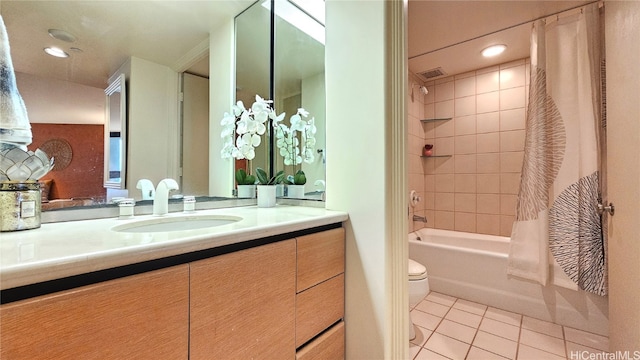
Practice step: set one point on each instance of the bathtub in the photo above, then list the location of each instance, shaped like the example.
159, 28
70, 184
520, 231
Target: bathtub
473, 267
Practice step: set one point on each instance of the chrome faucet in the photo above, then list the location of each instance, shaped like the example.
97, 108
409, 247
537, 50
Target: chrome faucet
161, 198
420, 218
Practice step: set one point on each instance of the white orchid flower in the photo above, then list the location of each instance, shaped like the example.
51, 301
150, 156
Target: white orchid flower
226, 151
226, 131
261, 129
310, 142
242, 125
261, 116
251, 123
227, 119
309, 156
311, 126
255, 140
260, 104
303, 112
238, 108
245, 151
276, 119
252, 126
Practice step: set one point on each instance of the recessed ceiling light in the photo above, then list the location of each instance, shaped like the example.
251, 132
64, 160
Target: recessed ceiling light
493, 50
54, 51
62, 35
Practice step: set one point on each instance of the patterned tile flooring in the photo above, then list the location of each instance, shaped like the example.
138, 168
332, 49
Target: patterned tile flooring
452, 328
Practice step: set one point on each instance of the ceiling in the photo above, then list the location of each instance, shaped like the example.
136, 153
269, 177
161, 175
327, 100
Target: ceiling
108, 32
451, 34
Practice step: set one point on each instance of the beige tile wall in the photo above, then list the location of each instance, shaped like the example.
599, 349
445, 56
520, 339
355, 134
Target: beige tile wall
474, 190
415, 143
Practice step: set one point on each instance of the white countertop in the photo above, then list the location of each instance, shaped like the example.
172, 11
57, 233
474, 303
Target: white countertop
64, 249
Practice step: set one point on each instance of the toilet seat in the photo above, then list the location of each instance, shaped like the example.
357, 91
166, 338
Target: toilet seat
417, 271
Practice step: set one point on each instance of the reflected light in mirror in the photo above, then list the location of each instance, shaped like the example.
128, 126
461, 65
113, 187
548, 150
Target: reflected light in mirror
314, 8
54, 51
298, 18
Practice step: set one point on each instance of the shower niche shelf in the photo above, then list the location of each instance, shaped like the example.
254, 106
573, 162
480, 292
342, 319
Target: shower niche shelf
435, 156
426, 121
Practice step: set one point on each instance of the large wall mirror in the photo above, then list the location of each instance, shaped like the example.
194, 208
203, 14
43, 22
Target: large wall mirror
66, 95
115, 134
295, 79
104, 35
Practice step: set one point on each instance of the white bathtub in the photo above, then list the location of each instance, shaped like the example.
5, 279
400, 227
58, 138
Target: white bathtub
473, 267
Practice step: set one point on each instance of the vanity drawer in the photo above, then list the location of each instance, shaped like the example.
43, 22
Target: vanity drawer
319, 307
320, 257
328, 346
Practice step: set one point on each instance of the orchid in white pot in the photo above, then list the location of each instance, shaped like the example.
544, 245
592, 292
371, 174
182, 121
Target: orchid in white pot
249, 125
297, 141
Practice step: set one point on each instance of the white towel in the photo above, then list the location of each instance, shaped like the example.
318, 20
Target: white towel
15, 129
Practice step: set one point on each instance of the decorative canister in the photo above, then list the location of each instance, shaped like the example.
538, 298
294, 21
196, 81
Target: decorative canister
20, 205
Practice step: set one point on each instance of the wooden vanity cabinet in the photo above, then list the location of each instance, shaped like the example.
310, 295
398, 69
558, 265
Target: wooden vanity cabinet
242, 304
143, 316
320, 295
282, 300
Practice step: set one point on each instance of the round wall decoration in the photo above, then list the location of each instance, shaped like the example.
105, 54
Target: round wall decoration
60, 150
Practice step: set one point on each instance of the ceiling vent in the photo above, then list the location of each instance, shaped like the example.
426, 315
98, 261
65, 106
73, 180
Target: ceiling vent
433, 73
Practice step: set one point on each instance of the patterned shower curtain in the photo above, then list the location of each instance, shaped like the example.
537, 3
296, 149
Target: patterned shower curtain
557, 233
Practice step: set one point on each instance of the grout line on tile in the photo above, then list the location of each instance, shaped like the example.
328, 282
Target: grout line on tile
477, 330
566, 346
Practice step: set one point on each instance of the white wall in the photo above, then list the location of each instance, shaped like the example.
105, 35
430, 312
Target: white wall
221, 94
355, 74
195, 135
622, 33
153, 125
51, 101
314, 100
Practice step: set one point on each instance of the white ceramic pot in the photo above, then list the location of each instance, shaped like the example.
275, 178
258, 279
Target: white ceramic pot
246, 191
295, 191
266, 196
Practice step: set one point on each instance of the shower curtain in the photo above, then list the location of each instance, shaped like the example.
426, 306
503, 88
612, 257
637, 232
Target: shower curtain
557, 233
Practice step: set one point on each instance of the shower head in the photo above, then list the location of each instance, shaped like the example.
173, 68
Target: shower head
423, 89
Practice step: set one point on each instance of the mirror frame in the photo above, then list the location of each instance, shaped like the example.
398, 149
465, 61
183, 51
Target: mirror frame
117, 86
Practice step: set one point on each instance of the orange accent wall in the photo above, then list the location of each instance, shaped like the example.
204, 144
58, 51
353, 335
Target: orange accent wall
83, 178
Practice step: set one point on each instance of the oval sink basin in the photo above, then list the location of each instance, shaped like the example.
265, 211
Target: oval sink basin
176, 223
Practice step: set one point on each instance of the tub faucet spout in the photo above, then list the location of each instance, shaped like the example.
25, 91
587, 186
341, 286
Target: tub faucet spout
420, 218
161, 198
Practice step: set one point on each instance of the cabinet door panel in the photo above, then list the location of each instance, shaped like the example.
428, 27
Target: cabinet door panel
320, 257
137, 317
242, 304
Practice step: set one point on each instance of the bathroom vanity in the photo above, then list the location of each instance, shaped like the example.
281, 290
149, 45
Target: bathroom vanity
270, 285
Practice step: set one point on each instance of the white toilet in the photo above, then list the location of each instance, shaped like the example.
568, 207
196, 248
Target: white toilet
418, 289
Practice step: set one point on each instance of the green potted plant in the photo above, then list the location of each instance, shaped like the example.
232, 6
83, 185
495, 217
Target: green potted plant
267, 187
246, 184
295, 184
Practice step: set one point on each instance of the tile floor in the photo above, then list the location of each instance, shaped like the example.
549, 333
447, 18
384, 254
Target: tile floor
452, 328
